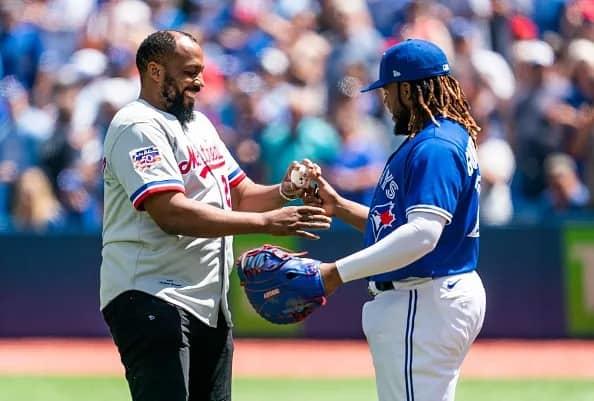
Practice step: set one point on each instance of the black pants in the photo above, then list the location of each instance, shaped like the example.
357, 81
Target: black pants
170, 355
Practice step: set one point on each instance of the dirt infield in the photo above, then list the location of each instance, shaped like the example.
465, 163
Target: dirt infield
289, 358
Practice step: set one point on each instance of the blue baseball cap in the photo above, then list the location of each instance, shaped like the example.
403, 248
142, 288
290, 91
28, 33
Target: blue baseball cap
410, 60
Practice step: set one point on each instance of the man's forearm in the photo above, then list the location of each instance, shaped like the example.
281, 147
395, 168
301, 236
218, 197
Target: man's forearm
183, 216
404, 245
352, 213
258, 198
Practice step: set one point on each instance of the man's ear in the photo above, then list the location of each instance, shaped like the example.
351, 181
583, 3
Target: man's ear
155, 71
406, 93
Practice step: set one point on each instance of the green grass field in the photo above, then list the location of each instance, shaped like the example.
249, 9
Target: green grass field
114, 389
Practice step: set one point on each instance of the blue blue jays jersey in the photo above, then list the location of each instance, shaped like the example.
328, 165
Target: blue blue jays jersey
436, 171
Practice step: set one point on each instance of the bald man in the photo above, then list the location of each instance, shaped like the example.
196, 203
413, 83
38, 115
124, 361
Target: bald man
174, 196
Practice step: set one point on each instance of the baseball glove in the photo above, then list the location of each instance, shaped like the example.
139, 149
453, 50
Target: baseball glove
282, 286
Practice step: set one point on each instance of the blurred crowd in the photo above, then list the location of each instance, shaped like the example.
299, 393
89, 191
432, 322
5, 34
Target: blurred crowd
282, 84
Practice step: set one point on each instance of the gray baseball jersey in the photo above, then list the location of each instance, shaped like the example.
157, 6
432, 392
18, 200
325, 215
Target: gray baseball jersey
147, 151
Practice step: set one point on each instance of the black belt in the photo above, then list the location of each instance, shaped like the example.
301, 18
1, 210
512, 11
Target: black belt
384, 285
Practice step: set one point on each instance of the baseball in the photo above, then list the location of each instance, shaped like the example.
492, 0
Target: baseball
298, 176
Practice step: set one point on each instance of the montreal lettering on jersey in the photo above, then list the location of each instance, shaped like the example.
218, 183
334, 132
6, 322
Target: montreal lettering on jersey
211, 159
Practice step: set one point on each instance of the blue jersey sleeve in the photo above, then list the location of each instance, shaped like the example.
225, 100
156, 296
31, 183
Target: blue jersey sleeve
434, 178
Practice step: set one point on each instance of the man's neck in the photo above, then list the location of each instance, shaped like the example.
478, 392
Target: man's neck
151, 99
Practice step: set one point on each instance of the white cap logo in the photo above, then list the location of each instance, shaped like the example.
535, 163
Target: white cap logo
446, 67
396, 73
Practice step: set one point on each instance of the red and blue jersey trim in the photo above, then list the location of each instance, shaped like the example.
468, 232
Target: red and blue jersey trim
236, 177
151, 188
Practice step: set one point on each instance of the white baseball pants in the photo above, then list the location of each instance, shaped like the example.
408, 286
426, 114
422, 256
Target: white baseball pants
419, 334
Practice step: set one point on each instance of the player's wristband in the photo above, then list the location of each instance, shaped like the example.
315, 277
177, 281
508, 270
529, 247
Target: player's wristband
285, 197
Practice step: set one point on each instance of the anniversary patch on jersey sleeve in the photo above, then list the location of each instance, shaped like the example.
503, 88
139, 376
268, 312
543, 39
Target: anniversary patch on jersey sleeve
145, 158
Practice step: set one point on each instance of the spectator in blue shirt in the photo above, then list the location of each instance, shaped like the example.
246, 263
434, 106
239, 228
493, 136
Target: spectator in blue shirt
82, 212
357, 167
20, 44
565, 192
301, 136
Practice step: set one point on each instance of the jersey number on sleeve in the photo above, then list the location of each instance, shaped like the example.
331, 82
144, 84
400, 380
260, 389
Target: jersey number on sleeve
225, 181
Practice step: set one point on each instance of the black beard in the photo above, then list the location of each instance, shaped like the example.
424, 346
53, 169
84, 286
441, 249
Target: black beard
401, 123
174, 102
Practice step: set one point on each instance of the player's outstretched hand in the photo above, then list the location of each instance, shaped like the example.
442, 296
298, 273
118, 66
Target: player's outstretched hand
322, 195
297, 220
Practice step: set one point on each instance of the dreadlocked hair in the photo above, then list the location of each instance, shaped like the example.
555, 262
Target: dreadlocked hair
440, 96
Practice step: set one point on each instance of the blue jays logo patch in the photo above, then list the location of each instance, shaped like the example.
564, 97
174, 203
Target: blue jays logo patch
145, 158
382, 218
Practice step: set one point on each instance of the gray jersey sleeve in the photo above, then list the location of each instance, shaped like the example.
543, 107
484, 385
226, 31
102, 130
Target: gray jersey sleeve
143, 162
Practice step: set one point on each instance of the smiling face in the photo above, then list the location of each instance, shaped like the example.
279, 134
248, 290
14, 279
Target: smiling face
183, 79
179, 78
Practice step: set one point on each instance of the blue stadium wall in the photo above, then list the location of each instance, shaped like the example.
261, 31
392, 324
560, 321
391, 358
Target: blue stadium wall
539, 281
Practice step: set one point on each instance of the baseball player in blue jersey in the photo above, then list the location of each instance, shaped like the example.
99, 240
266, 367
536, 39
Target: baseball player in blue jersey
421, 232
